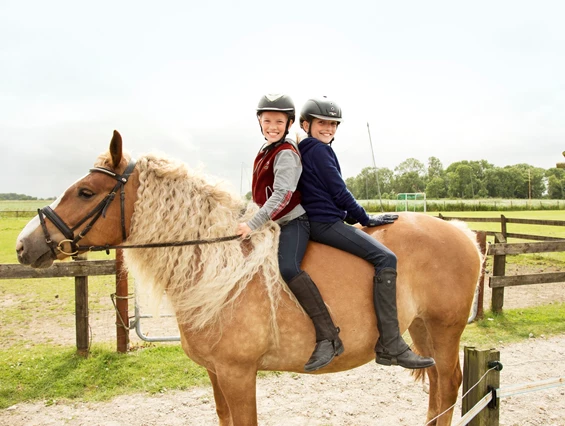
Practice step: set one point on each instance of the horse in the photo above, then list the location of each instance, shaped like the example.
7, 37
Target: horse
235, 314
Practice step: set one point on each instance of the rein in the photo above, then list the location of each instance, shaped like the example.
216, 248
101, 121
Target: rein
100, 211
164, 244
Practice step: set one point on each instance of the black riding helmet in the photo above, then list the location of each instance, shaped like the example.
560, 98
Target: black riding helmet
321, 108
279, 103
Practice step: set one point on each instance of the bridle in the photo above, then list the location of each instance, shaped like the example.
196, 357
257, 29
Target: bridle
100, 211
93, 215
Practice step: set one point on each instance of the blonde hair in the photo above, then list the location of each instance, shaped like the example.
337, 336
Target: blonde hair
176, 204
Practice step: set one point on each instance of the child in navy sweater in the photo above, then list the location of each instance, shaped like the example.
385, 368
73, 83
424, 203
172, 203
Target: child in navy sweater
328, 203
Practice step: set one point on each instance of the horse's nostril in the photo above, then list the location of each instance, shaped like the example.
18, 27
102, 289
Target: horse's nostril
19, 246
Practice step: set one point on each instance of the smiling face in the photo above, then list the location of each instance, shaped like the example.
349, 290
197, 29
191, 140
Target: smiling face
323, 130
273, 125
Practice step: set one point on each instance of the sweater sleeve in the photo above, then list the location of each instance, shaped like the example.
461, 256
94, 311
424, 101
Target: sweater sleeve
326, 167
287, 169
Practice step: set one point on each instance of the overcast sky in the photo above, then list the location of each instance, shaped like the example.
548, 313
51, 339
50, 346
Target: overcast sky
455, 80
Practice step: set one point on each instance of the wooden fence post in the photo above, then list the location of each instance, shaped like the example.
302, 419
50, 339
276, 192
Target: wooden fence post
81, 312
122, 315
498, 270
476, 364
482, 240
503, 226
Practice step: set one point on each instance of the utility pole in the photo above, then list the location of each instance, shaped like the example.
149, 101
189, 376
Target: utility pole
375, 166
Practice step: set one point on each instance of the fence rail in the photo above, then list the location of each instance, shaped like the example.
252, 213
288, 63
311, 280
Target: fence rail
17, 213
80, 269
501, 248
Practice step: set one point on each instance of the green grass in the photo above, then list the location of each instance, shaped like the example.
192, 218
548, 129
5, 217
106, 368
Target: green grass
53, 373
50, 374
23, 205
514, 325
40, 299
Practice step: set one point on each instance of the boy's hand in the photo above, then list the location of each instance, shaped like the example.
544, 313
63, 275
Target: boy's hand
383, 219
243, 230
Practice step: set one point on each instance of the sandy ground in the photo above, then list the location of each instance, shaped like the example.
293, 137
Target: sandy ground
368, 395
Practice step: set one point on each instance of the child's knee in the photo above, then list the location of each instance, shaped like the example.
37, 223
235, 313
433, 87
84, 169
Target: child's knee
390, 260
288, 272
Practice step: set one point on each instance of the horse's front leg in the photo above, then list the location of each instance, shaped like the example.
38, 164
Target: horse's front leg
222, 408
237, 384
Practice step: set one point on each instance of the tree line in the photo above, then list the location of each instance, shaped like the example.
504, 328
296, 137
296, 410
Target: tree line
462, 179
13, 196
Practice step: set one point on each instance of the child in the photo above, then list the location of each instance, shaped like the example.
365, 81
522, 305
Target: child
328, 203
276, 171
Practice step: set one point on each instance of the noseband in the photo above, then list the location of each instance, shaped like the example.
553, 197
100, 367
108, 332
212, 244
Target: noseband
93, 215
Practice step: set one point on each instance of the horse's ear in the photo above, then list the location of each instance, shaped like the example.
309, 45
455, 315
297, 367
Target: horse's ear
116, 149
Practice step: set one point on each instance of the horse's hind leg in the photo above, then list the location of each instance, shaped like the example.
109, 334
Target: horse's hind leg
222, 408
441, 341
424, 346
237, 385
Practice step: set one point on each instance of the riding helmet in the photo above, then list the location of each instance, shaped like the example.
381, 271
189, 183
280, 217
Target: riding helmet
280, 103
321, 108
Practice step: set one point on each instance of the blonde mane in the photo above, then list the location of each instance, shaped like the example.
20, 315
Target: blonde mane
176, 204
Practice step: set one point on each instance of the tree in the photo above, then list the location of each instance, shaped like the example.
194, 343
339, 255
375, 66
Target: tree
364, 185
555, 183
410, 176
435, 169
436, 188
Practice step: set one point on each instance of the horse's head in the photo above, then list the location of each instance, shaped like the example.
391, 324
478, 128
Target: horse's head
95, 210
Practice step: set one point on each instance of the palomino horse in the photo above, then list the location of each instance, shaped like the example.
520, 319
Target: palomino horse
235, 314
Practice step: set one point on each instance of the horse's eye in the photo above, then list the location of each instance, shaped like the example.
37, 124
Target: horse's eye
85, 193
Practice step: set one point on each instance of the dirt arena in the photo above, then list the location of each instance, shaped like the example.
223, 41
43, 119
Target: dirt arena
368, 395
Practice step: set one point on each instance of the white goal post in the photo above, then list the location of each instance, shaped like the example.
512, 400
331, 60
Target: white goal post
405, 198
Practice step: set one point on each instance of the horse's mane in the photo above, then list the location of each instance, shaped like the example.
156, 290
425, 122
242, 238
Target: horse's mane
177, 204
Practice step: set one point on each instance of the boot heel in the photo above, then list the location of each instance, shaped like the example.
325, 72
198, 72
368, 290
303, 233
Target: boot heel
383, 361
339, 347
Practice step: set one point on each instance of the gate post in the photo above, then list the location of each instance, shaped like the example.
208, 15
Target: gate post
498, 270
81, 312
482, 240
475, 365
122, 315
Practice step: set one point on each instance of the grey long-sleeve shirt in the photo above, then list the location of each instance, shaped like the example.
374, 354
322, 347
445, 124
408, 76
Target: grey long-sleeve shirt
287, 168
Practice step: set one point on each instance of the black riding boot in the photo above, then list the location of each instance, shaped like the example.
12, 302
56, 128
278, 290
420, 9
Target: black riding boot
391, 349
328, 343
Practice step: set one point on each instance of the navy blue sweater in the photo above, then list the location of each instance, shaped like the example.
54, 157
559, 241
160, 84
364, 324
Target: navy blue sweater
324, 194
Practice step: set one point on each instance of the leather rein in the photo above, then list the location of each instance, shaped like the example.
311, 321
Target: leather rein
100, 211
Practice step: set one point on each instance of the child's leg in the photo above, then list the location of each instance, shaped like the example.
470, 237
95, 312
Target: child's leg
292, 246
391, 347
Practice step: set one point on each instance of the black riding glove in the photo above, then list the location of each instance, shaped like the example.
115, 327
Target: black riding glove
350, 220
383, 219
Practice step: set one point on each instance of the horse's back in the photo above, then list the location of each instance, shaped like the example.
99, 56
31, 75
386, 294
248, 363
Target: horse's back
438, 266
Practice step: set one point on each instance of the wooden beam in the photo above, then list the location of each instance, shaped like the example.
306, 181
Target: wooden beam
471, 219
79, 268
521, 248
533, 237
536, 221
515, 280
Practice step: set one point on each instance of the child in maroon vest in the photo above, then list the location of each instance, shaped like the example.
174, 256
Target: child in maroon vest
276, 171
